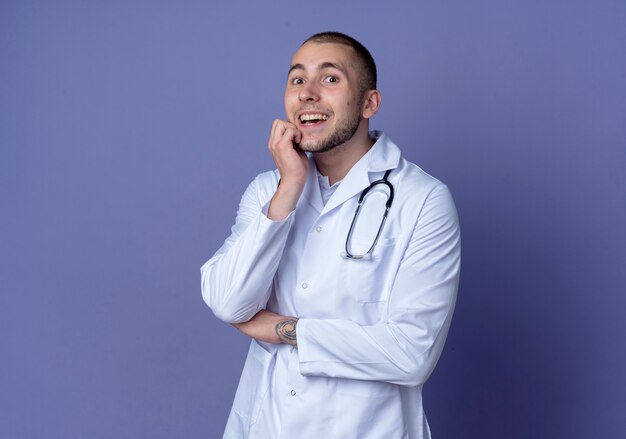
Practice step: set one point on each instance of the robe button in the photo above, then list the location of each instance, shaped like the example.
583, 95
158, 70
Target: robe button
305, 285
293, 393
318, 228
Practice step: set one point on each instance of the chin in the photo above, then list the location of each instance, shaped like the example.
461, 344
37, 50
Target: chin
320, 149
310, 145
313, 146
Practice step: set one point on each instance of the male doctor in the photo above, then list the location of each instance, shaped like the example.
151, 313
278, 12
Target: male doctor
348, 306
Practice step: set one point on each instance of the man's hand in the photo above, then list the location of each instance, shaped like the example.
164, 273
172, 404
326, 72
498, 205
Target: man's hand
293, 166
270, 327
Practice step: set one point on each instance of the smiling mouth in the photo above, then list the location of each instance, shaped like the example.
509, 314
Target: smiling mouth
312, 119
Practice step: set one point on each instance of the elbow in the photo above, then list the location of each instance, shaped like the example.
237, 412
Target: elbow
418, 369
226, 310
230, 302
216, 302
415, 375
225, 315
232, 315
415, 366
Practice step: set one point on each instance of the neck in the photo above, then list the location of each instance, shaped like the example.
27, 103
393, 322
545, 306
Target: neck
336, 163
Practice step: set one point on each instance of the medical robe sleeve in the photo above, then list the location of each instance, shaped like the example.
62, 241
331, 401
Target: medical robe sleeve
404, 347
236, 281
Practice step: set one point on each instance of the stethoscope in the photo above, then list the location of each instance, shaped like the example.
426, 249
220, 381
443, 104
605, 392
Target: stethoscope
348, 254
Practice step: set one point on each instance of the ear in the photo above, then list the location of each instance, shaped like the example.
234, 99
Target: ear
371, 103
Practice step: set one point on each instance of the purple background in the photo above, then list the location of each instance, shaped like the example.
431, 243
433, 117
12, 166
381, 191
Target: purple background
129, 129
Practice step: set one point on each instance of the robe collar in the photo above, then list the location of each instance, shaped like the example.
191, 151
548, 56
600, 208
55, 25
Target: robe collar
383, 155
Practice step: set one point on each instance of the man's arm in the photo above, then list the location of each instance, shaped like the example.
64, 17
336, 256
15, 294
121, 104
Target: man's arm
270, 327
236, 281
293, 166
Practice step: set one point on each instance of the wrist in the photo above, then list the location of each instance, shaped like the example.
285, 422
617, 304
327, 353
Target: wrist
284, 201
286, 330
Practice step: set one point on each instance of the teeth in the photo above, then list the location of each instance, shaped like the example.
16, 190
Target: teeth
307, 117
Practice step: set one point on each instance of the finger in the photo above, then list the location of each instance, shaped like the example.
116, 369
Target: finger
291, 136
275, 132
279, 127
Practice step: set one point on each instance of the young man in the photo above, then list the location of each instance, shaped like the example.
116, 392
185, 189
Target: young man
348, 306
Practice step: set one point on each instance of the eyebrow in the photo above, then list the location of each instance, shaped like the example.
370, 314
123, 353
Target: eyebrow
322, 66
295, 67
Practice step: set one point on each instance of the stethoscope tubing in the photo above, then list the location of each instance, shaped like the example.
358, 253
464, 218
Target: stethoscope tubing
384, 181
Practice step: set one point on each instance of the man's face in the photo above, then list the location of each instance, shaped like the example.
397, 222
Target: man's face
322, 97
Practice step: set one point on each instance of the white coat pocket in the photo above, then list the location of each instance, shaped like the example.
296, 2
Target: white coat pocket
366, 279
253, 387
369, 410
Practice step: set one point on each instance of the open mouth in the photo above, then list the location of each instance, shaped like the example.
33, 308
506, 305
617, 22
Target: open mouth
312, 118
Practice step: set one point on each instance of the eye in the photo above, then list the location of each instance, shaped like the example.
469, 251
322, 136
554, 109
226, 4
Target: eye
297, 81
331, 79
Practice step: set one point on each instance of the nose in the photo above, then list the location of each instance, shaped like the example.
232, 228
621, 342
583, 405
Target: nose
309, 92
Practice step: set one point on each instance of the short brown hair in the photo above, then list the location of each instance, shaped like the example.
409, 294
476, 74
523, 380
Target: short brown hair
368, 77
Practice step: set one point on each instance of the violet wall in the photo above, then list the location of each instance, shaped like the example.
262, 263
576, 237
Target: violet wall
129, 129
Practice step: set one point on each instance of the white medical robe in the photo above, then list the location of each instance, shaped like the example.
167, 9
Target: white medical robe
370, 331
